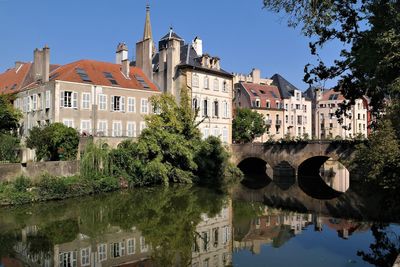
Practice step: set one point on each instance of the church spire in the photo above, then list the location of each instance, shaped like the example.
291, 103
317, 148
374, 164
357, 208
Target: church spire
147, 34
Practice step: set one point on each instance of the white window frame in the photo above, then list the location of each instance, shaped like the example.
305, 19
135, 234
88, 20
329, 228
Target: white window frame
85, 256
131, 129
216, 84
142, 126
102, 102
121, 104
89, 123
48, 99
206, 82
114, 129
131, 104
34, 102
143, 246
102, 250
131, 246
144, 106
85, 101
69, 122
71, 255
195, 80
225, 135
73, 101
101, 122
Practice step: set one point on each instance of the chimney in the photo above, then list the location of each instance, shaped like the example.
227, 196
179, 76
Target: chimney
46, 64
121, 53
256, 76
125, 67
198, 46
41, 64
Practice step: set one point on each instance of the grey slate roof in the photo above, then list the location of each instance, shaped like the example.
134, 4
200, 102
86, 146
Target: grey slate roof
309, 94
285, 88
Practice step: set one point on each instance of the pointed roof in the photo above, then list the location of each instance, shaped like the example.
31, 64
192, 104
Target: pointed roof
147, 34
171, 35
286, 88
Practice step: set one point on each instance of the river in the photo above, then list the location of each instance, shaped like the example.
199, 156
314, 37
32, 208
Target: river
273, 224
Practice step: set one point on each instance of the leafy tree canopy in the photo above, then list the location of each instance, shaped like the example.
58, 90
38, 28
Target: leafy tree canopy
369, 63
54, 142
9, 116
247, 125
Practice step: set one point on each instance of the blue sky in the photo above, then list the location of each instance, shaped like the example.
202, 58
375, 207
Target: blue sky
240, 32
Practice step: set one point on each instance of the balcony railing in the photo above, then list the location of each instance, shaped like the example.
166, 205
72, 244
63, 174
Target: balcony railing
278, 122
268, 122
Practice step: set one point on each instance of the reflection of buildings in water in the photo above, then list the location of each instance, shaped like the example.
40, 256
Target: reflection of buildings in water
345, 228
274, 227
213, 243
335, 175
115, 248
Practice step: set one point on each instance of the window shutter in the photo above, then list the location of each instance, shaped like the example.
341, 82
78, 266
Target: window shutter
112, 103
75, 100
122, 103
62, 99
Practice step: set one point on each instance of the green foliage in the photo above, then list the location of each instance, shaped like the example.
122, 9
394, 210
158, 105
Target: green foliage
95, 160
369, 63
378, 161
54, 142
9, 146
22, 183
247, 125
9, 117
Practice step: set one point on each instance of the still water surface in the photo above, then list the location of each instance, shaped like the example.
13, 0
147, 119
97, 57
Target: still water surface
276, 225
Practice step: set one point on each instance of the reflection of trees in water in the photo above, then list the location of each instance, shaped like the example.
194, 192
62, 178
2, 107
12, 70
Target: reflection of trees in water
384, 251
166, 217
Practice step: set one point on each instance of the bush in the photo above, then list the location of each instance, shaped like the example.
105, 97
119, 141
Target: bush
54, 142
22, 183
9, 146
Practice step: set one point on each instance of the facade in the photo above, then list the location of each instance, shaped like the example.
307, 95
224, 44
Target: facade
263, 98
286, 109
178, 66
327, 125
97, 98
297, 109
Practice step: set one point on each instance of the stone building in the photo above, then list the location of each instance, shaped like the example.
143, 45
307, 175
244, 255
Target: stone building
257, 94
97, 98
178, 66
328, 125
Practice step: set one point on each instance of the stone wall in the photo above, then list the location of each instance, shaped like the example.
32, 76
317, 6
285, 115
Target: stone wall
9, 172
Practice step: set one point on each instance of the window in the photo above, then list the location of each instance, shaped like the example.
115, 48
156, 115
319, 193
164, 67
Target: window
224, 86
225, 135
117, 129
215, 132
131, 129
142, 81
205, 239
359, 116
68, 259
226, 234
68, 122
117, 249
257, 103
102, 249
110, 78
297, 96
48, 100
333, 97
206, 85
85, 256
86, 127
144, 106
131, 104
82, 73
298, 106
102, 102
205, 108
287, 118
34, 102
225, 109
143, 246
277, 104
331, 125
215, 236
299, 119
206, 133
118, 103
305, 119
102, 128
142, 126
216, 84
131, 246
291, 119
215, 109
195, 104
268, 105
69, 99
286, 106
195, 80
85, 100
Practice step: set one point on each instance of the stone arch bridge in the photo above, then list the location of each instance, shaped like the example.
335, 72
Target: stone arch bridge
292, 158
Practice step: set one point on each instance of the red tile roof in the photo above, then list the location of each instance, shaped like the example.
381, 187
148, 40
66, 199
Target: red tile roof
12, 80
328, 93
263, 92
94, 69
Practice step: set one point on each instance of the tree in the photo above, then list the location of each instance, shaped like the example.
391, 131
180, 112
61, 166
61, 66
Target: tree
9, 125
247, 125
54, 142
369, 63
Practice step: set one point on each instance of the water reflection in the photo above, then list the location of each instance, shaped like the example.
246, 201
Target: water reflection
187, 226
335, 175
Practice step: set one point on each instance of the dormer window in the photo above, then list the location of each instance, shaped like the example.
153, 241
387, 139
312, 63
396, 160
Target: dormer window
268, 104
257, 102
